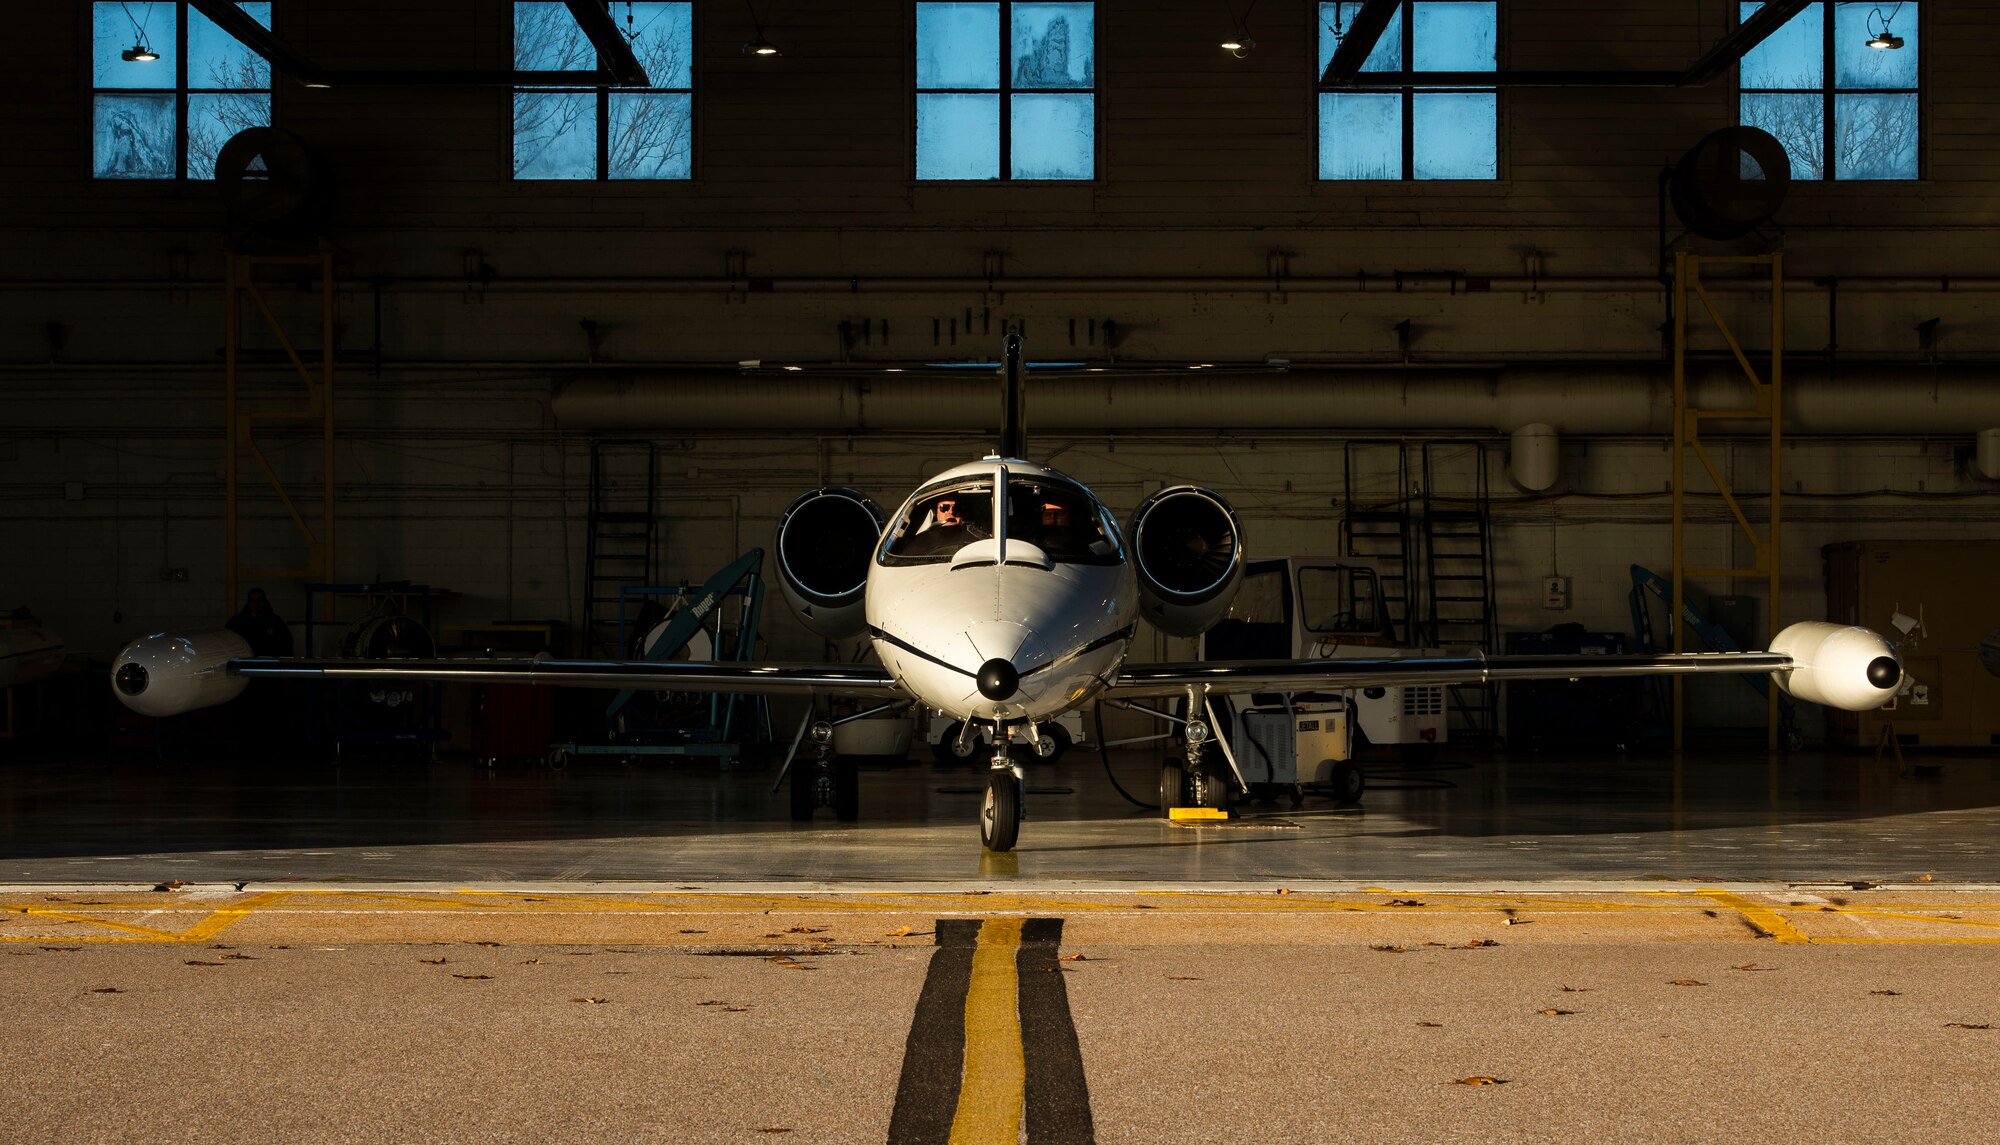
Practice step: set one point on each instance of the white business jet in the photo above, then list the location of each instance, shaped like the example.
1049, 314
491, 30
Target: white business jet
1004, 594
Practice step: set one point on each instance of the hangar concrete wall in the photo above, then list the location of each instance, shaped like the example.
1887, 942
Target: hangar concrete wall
454, 470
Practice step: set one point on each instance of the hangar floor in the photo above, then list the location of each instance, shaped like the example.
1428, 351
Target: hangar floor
1497, 948
1493, 819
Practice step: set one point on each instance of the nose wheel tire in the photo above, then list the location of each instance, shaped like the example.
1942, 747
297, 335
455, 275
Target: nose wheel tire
1000, 814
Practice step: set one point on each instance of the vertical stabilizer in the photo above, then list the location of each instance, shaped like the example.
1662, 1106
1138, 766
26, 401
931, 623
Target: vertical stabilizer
1013, 403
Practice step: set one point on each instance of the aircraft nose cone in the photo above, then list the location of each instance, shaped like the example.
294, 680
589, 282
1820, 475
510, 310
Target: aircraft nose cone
1883, 672
998, 680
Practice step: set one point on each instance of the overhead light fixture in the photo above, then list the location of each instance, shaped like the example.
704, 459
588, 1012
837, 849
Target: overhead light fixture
1240, 42
758, 46
138, 53
1883, 39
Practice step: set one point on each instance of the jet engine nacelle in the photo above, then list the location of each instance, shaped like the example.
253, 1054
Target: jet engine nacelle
1187, 547
826, 541
1838, 665
165, 675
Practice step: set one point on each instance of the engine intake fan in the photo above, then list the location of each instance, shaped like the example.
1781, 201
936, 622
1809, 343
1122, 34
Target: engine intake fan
826, 540
1187, 546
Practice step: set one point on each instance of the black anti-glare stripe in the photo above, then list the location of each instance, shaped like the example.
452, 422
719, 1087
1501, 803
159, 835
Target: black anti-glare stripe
934, 1055
916, 651
1058, 1101
1124, 633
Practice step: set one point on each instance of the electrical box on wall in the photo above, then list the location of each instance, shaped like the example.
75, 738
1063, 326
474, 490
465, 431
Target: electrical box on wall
1555, 593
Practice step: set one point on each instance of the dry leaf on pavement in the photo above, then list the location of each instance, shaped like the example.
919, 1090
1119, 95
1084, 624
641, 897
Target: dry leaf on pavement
1479, 1079
431, 961
1388, 948
1685, 982
1552, 1012
199, 962
473, 977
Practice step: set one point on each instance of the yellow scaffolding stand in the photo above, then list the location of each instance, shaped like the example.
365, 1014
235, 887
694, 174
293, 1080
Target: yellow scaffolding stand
240, 424
1768, 393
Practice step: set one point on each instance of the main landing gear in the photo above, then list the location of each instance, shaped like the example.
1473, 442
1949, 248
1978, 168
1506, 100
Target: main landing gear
825, 781
1200, 778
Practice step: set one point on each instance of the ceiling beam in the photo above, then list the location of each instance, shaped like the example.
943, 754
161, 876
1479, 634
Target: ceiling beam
1712, 64
614, 51
1738, 43
1362, 36
245, 29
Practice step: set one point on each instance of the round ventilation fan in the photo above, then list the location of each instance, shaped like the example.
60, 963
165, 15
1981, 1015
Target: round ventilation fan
1732, 181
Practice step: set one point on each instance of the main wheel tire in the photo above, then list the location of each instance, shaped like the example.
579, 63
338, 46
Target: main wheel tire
1208, 788
1347, 782
1000, 814
1173, 787
803, 802
945, 750
1059, 741
846, 791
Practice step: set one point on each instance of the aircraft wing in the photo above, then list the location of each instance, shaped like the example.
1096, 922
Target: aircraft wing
650, 675
1136, 681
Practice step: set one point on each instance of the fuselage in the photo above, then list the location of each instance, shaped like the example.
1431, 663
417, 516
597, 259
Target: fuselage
1001, 590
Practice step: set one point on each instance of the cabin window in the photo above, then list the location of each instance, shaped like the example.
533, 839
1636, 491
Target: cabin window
1340, 599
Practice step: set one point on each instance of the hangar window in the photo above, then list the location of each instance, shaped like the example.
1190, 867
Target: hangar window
601, 132
1413, 132
168, 89
1006, 91
1835, 93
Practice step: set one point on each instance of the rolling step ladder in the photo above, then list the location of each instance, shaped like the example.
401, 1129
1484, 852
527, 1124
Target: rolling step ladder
1458, 568
618, 551
1378, 525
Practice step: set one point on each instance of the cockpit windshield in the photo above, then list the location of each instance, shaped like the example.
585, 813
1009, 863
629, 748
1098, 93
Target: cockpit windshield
942, 521
1060, 519
1056, 516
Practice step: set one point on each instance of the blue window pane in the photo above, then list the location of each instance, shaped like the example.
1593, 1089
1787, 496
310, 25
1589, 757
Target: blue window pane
1054, 45
958, 45
1855, 64
1456, 37
555, 134
546, 39
652, 135
1798, 122
212, 119
663, 39
217, 59
1877, 136
1388, 53
1054, 137
1453, 135
1360, 135
112, 32
133, 137
1793, 57
958, 136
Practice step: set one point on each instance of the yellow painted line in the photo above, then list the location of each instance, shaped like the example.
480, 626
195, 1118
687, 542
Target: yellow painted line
226, 916
1921, 917
153, 934
1761, 917
995, 1080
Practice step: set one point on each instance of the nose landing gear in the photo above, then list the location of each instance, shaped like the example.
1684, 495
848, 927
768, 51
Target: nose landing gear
1001, 812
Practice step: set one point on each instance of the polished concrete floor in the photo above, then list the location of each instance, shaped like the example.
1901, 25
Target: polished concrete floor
1469, 818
